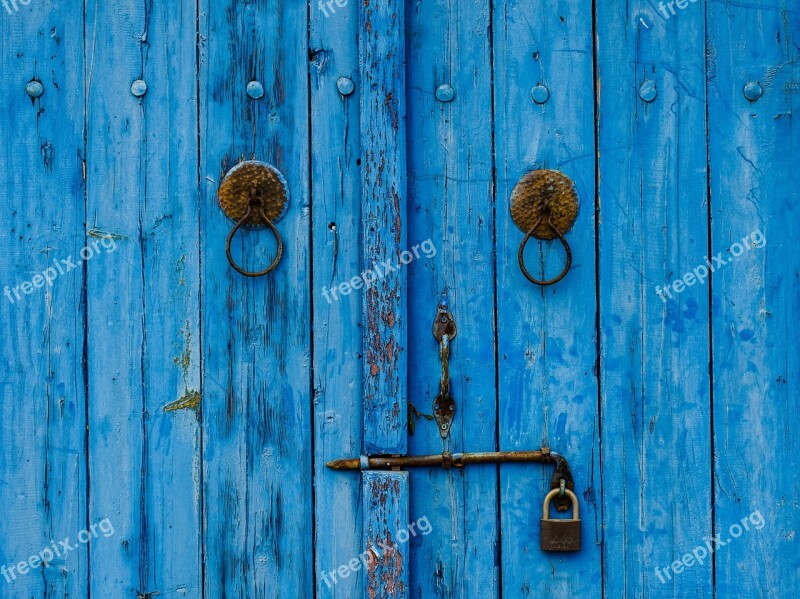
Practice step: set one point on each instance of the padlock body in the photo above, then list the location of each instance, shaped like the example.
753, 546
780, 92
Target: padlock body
560, 535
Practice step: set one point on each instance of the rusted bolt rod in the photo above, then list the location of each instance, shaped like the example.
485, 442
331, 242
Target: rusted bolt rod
445, 460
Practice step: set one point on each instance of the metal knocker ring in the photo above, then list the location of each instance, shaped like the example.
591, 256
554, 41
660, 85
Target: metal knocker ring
544, 205
245, 219
254, 195
521, 255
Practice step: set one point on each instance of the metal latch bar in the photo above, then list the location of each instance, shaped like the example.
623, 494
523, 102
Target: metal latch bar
448, 460
445, 459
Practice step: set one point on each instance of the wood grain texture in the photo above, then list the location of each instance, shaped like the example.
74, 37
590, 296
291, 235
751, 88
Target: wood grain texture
754, 153
42, 394
202, 435
546, 337
170, 253
336, 227
450, 204
257, 429
385, 517
383, 206
655, 353
143, 299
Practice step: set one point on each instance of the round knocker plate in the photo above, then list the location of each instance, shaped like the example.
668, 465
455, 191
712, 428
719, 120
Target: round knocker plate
538, 191
257, 180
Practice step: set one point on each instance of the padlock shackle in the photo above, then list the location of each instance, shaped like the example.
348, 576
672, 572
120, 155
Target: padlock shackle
548, 498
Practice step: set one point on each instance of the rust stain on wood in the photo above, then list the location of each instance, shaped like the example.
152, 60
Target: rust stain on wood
190, 401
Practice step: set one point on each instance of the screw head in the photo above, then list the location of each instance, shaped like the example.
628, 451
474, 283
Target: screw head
139, 88
255, 90
34, 89
648, 91
445, 93
752, 91
345, 86
540, 94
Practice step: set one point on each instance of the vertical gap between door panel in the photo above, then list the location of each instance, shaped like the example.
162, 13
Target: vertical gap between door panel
496, 340
598, 332
200, 420
85, 300
710, 307
312, 394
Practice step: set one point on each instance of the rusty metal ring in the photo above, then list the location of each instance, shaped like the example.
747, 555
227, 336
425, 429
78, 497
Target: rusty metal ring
521, 255
238, 226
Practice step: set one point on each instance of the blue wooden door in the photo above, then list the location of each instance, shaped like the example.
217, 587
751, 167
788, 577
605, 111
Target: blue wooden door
165, 423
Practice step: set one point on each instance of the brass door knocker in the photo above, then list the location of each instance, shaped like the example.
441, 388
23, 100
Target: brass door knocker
254, 195
544, 205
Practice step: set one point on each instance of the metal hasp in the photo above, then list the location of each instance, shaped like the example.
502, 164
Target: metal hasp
444, 406
544, 205
563, 486
254, 195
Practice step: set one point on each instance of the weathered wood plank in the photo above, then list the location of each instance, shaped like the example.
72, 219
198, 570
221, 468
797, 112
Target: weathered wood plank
171, 297
116, 191
754, 153
42, 393
257, 429
451, 216
655, 347
385, 520
546, 337
143, 298
383, 205
336, 191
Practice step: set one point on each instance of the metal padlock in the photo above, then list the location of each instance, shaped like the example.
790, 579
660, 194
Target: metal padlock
560, 535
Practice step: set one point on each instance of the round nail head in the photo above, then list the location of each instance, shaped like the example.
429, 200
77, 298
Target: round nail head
345, 86
753, 91
255, 90
648, 91
445, 93
138, 88
540, 94
34, 89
